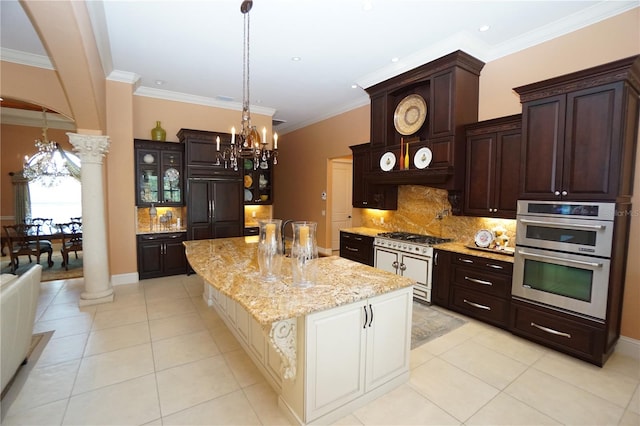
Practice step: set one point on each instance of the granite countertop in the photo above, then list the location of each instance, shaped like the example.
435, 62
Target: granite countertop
362, 230
231, 266
461, 248
160, 231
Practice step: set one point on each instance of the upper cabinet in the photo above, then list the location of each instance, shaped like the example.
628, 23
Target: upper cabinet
258, 181
426, 107
365, 194
159, 173
579, 134
493, 167
203, 158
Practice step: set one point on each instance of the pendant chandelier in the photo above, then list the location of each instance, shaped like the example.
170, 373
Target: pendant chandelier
49, 164
248, 144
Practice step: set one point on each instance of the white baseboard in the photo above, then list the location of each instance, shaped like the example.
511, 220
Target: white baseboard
325, 251
121, 279
629, 347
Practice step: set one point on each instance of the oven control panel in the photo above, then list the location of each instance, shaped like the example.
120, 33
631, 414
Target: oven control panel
404, 246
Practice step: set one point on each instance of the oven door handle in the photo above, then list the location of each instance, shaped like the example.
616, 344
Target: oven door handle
561, 225
577, 262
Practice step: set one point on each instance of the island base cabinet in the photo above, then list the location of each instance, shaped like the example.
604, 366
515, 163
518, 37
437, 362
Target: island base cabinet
354, 349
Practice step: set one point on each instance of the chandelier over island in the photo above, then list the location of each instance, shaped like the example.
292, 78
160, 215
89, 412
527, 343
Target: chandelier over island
247, 144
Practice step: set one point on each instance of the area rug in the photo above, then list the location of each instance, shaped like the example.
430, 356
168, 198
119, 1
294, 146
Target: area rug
56, 272
429, 323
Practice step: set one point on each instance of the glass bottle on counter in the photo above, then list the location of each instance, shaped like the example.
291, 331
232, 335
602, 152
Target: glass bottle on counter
270, 248
303, 252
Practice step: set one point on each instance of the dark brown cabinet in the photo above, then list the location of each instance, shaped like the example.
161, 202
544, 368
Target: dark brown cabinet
450, 88
214, 208
481, 288
258, 181
364, 193
579, 134
202, 156
356, 247
493, 167
161, 255
159, 173
441, 276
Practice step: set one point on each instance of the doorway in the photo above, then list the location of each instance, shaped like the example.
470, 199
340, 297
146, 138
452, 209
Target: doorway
341, 209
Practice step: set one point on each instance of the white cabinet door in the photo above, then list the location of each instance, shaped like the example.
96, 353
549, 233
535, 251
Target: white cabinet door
386, 260
416, 268
242, 322
334, 359
388, 337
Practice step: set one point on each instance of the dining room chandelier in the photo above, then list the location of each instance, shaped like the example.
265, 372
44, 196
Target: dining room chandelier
49, 164
248, 144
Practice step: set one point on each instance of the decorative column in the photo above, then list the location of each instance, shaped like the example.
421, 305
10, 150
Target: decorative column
97, 285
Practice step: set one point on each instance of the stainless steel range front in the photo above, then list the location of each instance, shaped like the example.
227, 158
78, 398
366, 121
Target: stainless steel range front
409, 255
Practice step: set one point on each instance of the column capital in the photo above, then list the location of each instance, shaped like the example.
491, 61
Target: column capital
91, 148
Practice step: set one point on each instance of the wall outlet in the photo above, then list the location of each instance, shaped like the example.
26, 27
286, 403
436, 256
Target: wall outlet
324, 212
382, 220
253, 214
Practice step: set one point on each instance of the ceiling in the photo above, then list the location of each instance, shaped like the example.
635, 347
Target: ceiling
192, 50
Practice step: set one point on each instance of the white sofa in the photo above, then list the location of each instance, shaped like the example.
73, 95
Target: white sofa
18, 300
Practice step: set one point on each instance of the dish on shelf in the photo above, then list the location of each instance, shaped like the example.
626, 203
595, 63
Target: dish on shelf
248, 164
148, 158
422, 158
248, 181
387, 161
248, 195
264, 165
410, 114
172, 175
483, 238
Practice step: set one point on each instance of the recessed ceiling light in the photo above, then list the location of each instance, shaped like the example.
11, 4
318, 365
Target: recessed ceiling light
296, 58
396, 59
159, 82
354, 86
484, 28
367, 5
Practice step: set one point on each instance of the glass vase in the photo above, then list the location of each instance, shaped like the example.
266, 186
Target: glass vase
158, 133
270, 248
304, 251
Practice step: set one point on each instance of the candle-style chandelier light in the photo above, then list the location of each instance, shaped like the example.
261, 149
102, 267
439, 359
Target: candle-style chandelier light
248, 144
50, 163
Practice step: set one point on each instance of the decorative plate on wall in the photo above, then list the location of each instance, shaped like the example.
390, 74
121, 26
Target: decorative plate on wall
410, 114
422, 158
387, 161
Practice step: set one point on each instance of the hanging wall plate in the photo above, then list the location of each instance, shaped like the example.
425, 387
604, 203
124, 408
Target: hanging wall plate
422, 158
387, 161
410, 114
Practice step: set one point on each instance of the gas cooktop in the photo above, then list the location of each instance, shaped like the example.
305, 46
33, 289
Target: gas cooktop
414, 238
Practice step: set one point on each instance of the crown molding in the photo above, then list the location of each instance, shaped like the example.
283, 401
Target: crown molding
199, 100
24, 58
361, 101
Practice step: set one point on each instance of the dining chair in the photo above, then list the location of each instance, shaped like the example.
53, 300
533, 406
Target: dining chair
71, 233
24, 240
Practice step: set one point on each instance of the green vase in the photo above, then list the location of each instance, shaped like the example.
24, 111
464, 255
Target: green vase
158, 133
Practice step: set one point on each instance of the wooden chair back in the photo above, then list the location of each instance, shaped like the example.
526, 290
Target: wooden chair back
71, 233
24, 240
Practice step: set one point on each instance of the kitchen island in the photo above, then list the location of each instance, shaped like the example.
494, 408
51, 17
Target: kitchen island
327, 349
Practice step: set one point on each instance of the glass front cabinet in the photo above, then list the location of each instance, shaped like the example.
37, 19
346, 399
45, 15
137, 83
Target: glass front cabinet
159, 173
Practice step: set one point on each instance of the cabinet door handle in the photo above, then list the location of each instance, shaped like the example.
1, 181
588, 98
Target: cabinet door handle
477, 281
366, 317
465, 260
491, 265
403, 267
351, 249
395, 264
213, 208
364, 203
551, 331
435, 259
371, 318
475, 305
357, 238
556, 192
564, 192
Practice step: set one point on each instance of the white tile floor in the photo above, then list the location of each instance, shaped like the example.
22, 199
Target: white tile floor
158, 356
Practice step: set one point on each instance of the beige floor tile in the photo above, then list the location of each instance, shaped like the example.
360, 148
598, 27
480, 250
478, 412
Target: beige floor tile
209, 316
44, 385
349, 420
194, 286
65, 326
454, 338
232, 409
605, 383
63, 349
225, 340
163, 308
634, 404
488, 365
630, 419
113, 367
190, 384
457, 392
508, 411
124, 300
44, 415
70, 292
114, 338
405, 406
512, 346
243, 368
169, 287
264, 402
563, 401
183, 349
419, 356
116, 317
624, 364
175, 326
136, 401
66, 310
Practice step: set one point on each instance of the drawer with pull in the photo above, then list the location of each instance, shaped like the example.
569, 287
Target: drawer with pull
356, 247
484, 307
480, 280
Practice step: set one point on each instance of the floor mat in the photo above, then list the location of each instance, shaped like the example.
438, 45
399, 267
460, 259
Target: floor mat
429, 323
